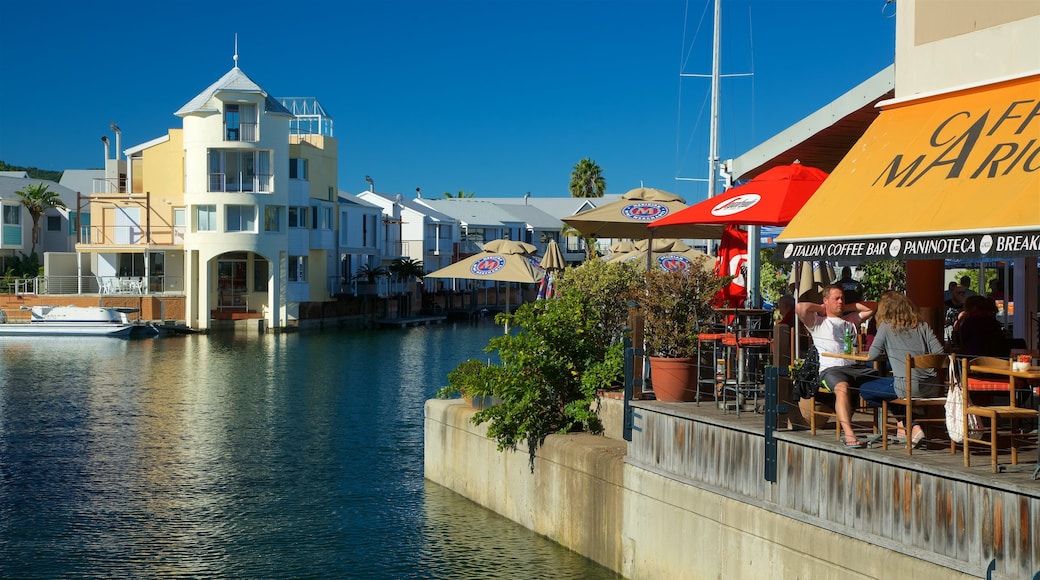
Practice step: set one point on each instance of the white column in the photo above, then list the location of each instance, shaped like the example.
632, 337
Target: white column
1024, 291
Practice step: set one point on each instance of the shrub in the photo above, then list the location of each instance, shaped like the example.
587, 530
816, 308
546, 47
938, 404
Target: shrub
561, 352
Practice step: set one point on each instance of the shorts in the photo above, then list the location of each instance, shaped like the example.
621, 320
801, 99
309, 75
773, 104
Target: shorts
854, 376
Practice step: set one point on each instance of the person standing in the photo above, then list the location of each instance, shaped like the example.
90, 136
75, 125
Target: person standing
828, 324
850, 287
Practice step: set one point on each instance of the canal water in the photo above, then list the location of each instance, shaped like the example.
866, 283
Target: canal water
243, 456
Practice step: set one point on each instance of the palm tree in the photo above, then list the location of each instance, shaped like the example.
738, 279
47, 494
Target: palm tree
587, 179
407, 268
38, 199
460, 195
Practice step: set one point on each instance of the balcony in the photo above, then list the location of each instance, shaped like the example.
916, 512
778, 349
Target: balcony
132, 235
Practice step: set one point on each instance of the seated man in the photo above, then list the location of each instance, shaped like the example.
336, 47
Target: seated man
828, 323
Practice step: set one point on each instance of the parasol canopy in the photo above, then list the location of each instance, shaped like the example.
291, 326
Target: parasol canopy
771, 199
629, 216
500, 260
667, 254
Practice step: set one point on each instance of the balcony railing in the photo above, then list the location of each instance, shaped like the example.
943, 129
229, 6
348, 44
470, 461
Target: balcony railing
240, 183
108, 185
132, 285
133, 235
245, 132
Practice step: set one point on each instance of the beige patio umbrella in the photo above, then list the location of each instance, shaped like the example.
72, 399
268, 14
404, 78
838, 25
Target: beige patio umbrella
628, 217
667, 254
501, 261
553, 258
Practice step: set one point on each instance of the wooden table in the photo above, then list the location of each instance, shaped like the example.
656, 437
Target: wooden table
1033, 374
861, 357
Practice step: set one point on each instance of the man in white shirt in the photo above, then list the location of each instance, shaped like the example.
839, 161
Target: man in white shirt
827, 324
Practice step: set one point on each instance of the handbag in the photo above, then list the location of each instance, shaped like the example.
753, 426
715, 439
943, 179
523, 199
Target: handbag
807, 381
955, 408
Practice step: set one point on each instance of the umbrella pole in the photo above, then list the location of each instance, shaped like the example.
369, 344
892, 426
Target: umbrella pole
649, 248
508, 284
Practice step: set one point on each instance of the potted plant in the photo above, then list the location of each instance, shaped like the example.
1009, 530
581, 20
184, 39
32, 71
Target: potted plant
676, 306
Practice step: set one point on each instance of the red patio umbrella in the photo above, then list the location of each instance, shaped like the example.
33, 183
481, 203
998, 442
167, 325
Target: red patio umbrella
771, 199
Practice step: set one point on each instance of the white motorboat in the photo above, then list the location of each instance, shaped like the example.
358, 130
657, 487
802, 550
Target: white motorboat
73, 321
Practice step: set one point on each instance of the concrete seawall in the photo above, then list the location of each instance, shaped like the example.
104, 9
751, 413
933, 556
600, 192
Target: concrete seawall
585, 494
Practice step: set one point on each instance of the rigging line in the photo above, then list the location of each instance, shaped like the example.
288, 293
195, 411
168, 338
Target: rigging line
751, 43
685, 53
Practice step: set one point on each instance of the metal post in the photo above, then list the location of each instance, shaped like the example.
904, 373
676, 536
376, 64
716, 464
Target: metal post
773, 411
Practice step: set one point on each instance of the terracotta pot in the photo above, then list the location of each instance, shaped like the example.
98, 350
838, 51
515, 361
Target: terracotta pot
674, 379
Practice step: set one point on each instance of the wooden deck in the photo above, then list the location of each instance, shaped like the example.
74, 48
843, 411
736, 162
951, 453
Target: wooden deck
927, 504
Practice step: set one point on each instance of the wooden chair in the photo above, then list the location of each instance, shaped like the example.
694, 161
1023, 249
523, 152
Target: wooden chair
941, 364
995, 414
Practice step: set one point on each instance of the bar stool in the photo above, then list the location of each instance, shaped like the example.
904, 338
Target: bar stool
710, 363
746, 353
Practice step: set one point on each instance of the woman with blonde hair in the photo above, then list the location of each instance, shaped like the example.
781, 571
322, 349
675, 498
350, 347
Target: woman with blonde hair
901, 332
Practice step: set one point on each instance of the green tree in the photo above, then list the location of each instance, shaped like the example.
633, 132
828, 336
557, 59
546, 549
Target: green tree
37, 198
881, 276
460, 195
407, 268
773, 276
587, 179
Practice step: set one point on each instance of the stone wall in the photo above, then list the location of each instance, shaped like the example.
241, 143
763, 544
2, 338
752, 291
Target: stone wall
646, 523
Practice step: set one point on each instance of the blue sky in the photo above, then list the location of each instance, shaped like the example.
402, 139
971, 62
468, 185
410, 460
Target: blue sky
497, 97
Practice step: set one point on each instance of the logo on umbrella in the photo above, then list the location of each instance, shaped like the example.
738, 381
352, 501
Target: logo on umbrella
644, 211
736, 204
488, 265
674, 263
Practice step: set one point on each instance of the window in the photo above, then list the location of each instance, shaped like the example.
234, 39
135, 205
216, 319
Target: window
273, 218
239, 122
54, 223
12, 215
298, 217
298, 169
240, 218
260, 274
326, 218
297, 268
178, 225
233, 170
205, 218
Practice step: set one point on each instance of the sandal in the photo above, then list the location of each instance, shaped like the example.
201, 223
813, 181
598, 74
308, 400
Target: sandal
856, 444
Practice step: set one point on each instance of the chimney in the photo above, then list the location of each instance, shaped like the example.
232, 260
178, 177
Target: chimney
119, 139
105, 141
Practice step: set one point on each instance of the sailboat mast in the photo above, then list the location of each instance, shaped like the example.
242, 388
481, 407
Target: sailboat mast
713, 138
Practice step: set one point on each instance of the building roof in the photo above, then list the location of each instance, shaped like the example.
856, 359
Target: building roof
81, 180
413, 205
9, 185
560, 207
532, 216
823, 138
350, 199
473, 212
235, 81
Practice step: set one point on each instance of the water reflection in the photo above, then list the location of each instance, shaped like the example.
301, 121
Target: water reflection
242, 456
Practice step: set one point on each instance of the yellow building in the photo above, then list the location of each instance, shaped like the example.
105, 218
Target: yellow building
236, 210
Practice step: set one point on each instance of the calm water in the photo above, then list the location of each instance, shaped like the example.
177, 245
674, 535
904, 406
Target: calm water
243, 456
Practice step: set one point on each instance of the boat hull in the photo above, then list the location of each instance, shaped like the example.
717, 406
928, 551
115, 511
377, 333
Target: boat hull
66, 329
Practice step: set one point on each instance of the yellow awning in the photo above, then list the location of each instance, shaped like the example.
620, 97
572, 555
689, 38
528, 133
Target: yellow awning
954, 176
